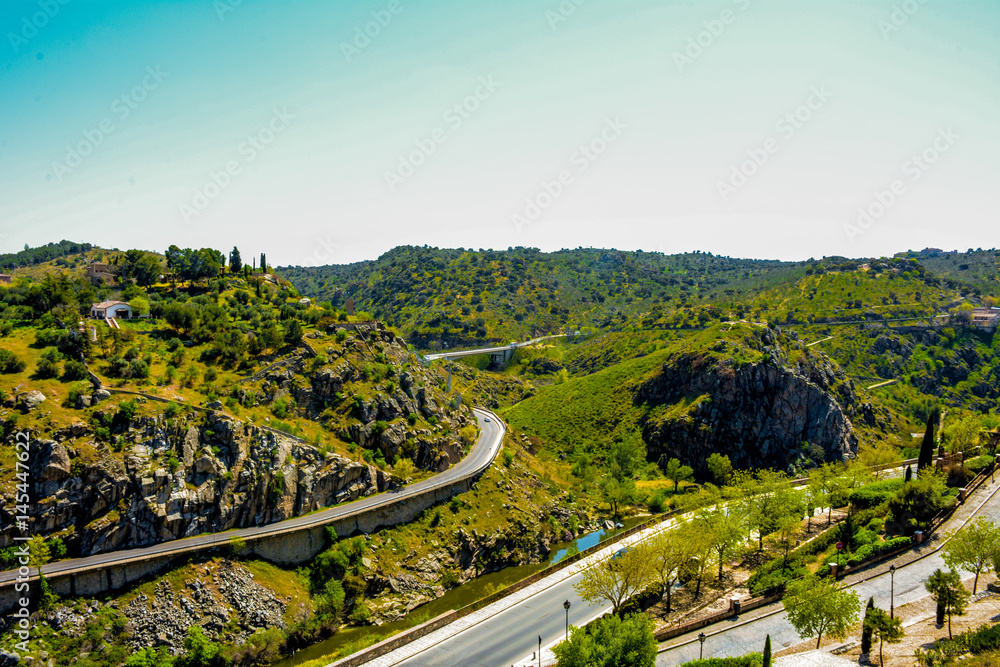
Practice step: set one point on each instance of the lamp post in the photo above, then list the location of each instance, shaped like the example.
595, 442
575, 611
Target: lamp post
892, 591
566, 606
701, 646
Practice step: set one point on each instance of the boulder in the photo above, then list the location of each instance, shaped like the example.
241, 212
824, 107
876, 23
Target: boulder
30, 400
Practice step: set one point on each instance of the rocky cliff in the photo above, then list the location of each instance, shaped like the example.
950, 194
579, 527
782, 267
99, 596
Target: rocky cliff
762, 409
151, 473
223, 474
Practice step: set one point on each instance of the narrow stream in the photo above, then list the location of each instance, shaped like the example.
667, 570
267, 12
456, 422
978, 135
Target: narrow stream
456, 598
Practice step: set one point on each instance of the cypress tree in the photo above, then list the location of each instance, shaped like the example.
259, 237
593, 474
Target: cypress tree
927, 446
909, 474
767, 652
866, 632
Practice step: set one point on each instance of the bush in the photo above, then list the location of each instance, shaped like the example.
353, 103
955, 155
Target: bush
10, 363
773, 582
873, 495
752, 660
978, 464
74, 370
47, 369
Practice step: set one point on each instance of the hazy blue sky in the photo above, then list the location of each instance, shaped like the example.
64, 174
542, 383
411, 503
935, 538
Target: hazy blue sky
741, 127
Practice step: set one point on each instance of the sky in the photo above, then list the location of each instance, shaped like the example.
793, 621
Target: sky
330, 132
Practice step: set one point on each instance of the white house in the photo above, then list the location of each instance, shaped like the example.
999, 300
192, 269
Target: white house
986, 318
106, 309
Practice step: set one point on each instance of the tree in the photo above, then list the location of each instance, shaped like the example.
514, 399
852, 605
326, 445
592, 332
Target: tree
293, 332
879, 626
263, 263
828, 487
866, 632
668, 552
819, 606
927, 445
949, 592
909, 474
270, 336
200, 651
789, 529
878, 458
972, 547
767, 652
720, 468
610, 642
772, 499
616, 579
235, 262
675, 471
618, 493
721, 528
623, 461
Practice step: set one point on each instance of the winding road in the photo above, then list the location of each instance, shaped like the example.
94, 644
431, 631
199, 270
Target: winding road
479, 459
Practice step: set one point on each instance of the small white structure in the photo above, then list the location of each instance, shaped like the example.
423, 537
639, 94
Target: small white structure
985, 318
107, 309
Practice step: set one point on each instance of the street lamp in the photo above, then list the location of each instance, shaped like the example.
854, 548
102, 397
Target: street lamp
701, 647
892, 591
566, 607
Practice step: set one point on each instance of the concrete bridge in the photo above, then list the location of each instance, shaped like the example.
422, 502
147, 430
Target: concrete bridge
498, 354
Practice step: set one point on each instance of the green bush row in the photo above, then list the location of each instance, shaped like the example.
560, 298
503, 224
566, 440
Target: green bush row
751, 660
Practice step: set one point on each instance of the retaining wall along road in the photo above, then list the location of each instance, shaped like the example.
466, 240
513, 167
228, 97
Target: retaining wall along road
290, 545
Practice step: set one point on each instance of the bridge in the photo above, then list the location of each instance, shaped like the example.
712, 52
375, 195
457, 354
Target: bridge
498, 354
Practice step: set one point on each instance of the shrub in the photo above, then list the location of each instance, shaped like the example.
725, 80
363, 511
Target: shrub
74, 370
450, 579
752, 660
873, 495
47, 369
772, 583
10, 363
978, 464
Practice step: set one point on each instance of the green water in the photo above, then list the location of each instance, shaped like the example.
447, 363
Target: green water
456, 598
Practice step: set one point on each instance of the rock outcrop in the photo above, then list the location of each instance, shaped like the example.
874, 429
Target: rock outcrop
228, 474
769, 413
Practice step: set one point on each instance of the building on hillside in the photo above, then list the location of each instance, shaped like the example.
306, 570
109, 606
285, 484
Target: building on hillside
985, 318
98, 273
6, 279
117, 309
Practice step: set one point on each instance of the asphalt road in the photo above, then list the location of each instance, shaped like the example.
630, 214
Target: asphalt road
478, 459
510, 636
734, 638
